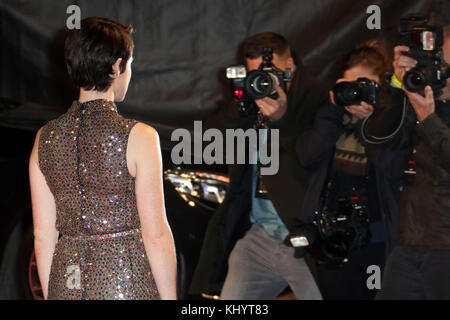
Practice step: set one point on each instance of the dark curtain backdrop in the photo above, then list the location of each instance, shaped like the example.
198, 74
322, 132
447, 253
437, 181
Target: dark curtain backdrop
182, 49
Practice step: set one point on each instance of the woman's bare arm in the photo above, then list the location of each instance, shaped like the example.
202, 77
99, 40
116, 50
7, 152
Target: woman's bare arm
145, 164
44, 218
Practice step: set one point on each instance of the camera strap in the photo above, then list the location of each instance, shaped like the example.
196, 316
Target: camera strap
324, 194
381, 140
329, 187
261, 123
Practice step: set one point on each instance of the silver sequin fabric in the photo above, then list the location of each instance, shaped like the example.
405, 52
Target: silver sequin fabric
100, 253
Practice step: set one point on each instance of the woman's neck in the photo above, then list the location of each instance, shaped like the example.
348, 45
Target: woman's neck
90, 95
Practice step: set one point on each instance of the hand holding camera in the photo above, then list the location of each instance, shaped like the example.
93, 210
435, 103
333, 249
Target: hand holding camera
402, 63
360, 111
418, 56
357, 97
266, 87
353, 96
273, 109
418, 64
423, 106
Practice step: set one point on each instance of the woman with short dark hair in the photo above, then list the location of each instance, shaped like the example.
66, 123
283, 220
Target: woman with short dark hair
96, 179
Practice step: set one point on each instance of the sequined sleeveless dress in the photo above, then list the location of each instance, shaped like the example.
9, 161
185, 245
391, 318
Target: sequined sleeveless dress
100, 253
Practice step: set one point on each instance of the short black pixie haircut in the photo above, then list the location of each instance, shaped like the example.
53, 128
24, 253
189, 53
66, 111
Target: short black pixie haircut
253, 46
92, 50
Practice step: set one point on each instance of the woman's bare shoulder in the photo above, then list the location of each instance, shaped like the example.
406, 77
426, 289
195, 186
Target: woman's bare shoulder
143, 144
143, 141
143, 132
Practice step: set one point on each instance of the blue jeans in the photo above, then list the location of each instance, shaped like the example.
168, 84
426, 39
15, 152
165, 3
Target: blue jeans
260, 268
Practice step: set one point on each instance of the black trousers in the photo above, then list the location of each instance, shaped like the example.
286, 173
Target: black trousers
349, 282
416, 274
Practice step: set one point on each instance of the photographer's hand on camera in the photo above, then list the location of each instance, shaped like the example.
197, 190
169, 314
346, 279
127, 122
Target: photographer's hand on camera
402, 63
422, 105
274, 109
361, 111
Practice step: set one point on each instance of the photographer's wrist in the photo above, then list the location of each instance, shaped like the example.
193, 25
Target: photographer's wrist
280, 122
424, 116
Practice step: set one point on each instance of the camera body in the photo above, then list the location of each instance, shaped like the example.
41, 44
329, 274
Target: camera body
425, 43
257, 84
353, 92
343, 225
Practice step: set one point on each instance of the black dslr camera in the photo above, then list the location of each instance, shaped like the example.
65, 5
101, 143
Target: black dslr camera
349, 93
343, 225
425, 45
257, 84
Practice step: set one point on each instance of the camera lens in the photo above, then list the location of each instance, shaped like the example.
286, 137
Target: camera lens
259, 84
347, 93
414, 80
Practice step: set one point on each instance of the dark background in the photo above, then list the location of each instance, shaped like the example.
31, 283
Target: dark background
182, 49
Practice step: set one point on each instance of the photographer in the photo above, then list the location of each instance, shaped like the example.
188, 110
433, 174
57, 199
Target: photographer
347, 175
244, 247
418, 266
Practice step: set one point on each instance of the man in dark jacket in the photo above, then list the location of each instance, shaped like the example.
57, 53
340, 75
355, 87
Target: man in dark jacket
418, 267
245, 239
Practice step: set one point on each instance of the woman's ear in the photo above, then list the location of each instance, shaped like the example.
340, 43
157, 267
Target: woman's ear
116, 68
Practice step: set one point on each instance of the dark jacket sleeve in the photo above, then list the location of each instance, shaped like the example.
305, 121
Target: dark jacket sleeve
314, 145
306, 96
438, 136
